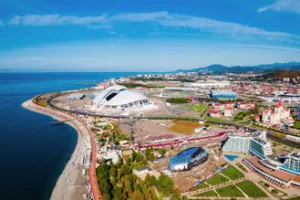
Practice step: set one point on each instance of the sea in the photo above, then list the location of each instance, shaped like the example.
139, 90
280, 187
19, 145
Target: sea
33, 153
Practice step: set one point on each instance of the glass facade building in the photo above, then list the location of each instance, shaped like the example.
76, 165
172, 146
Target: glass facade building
188, 158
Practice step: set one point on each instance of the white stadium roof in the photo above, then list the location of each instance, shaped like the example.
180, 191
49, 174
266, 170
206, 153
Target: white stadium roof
118, 95
126, 97
99, 97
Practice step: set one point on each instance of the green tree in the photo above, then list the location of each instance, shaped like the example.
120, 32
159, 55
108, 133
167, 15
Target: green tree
137, 195
149, 155
165, 184
106, 196
139, 157
184, 198
117, 193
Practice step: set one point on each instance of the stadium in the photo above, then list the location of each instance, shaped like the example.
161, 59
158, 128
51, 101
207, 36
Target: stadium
188, 159
118, 97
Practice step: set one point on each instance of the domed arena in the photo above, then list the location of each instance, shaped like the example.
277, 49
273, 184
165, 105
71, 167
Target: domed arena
119, 97
187, 159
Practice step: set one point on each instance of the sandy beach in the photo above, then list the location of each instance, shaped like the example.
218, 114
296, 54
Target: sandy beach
66, 187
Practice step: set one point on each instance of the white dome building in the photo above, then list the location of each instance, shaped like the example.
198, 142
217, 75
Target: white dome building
118, 97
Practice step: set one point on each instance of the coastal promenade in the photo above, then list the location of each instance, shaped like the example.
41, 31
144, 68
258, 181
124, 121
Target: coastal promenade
93, 174
67, 179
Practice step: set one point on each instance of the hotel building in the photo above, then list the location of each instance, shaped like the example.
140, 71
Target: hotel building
292, 163
237, 144
260, 148
276, 115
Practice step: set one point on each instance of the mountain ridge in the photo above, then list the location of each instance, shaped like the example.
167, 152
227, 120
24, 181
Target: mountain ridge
295, 66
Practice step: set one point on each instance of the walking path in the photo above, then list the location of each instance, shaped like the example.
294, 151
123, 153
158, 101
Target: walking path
192, 193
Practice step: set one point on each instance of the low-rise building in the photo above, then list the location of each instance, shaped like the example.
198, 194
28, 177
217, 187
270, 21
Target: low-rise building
245, 106
277, 177
204, 84
218, 106
214, 113
142, 172
77, 96
229, 105
228, 112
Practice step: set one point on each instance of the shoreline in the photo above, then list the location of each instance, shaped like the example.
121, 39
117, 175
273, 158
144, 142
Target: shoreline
63, 186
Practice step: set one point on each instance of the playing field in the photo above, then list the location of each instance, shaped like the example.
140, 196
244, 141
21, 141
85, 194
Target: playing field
184, 127
229, 191
217, 179
251, 189
232, 173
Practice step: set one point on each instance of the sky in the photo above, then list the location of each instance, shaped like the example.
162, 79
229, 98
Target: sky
146, 35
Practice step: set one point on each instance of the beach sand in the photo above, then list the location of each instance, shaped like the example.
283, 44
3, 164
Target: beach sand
66, 187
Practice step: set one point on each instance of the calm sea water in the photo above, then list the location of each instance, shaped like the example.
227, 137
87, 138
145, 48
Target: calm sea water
33, 154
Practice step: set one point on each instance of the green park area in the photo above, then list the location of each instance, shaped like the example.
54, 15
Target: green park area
229, 191
117, 181
251, 189
200, 186
210, 193
217, 179
297, 124
241, 167
232, 173
213, 119
199, 107
244, 117
177, 100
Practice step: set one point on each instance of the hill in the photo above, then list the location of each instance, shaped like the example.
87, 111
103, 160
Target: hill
216, 68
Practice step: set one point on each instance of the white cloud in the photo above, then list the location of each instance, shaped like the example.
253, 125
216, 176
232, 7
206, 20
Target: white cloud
200, 24
204, 25
55, 19
283, 5
140, 17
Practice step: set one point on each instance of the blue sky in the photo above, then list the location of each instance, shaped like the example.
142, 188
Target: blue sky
146, 35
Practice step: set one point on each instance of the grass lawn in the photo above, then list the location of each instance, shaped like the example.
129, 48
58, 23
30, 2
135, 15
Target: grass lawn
217, 179
200, 186
207, 194
215, 119
244, 122
241, 167
296, 198
251, 189
297, 125
229, 191
184, 127
232, 173
199, 107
